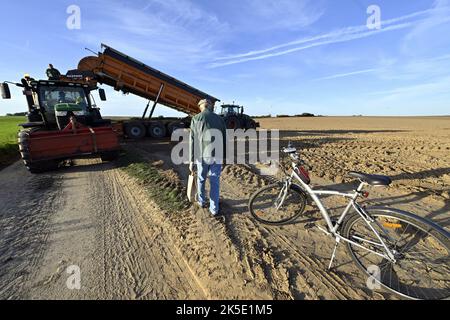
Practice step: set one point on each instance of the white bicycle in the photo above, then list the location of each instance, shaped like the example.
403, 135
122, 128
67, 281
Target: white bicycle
411, 253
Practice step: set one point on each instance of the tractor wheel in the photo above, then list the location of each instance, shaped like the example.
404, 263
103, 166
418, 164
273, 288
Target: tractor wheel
43, 166
157, 130
135, 130
34, 117
24, 148
173, 126
251, 124
108, 156
233, 123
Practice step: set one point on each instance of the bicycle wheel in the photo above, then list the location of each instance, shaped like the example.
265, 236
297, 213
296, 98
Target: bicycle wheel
421, 249
274, 205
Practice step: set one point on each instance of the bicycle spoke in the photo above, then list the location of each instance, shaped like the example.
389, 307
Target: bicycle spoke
406, 245
395, 244
414, 252
382, 266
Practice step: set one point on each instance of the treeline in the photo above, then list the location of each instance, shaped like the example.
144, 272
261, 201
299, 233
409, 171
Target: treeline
303, 115
263, 116
18, 114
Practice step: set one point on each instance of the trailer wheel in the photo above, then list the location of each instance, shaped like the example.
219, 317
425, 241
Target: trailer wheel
24, 148
173, 126
233, 123
157, 130
135, 130
110, 155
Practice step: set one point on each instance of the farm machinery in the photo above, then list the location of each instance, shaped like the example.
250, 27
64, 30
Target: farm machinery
130, 76
63, 123
235, 119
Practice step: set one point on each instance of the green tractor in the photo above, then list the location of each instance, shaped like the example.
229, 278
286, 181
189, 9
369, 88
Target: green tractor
63, 124
235, 119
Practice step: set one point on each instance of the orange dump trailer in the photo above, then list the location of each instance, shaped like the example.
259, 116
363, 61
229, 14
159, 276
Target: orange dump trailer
128, 75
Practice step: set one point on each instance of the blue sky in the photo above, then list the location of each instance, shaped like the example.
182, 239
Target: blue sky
273, 56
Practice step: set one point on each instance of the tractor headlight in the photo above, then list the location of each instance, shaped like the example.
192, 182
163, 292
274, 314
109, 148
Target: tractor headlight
79, 113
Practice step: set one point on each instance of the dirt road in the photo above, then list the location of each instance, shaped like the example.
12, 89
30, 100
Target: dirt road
95, 217
85, 216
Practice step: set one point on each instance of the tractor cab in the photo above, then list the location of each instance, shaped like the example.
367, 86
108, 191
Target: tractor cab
63, 124
61, 101
231, 109
52, 104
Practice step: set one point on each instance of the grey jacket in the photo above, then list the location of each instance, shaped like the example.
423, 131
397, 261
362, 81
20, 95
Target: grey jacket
202, 136
53, 74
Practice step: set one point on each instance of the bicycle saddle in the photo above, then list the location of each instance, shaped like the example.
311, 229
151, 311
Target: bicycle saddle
371, 179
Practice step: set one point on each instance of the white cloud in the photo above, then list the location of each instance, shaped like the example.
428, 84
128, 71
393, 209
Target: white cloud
286, 14
428, 98
337, 36
434, 87
347, 74
165, 32
409, 69
406, 69
424, 37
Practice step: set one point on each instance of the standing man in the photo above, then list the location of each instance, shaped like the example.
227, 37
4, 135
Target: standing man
53, 73
207, 152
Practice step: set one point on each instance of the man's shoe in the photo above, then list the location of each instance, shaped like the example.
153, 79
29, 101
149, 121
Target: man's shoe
219, 217
203, 206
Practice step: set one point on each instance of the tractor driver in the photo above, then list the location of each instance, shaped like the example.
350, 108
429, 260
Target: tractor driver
62, 97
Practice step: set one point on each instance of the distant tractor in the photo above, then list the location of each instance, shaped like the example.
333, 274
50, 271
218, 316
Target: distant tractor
235, 119
63, 123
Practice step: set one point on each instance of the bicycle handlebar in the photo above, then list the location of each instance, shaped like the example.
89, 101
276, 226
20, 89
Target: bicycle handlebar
295, 156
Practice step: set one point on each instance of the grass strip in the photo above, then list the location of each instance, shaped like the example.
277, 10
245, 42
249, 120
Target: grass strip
168, 195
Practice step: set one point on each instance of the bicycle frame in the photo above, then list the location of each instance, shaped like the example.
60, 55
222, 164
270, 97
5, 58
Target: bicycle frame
334, 229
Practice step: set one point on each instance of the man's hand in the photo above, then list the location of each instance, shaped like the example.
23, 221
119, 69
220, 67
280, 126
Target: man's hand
191, 167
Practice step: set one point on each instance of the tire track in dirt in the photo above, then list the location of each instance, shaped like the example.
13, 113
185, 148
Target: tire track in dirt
90, 215
266, 256
209, 250
309, 275
139, 260
27, 204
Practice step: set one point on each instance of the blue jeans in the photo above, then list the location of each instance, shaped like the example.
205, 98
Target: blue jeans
213, 171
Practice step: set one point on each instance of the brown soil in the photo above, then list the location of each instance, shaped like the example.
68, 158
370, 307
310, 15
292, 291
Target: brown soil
96, 216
